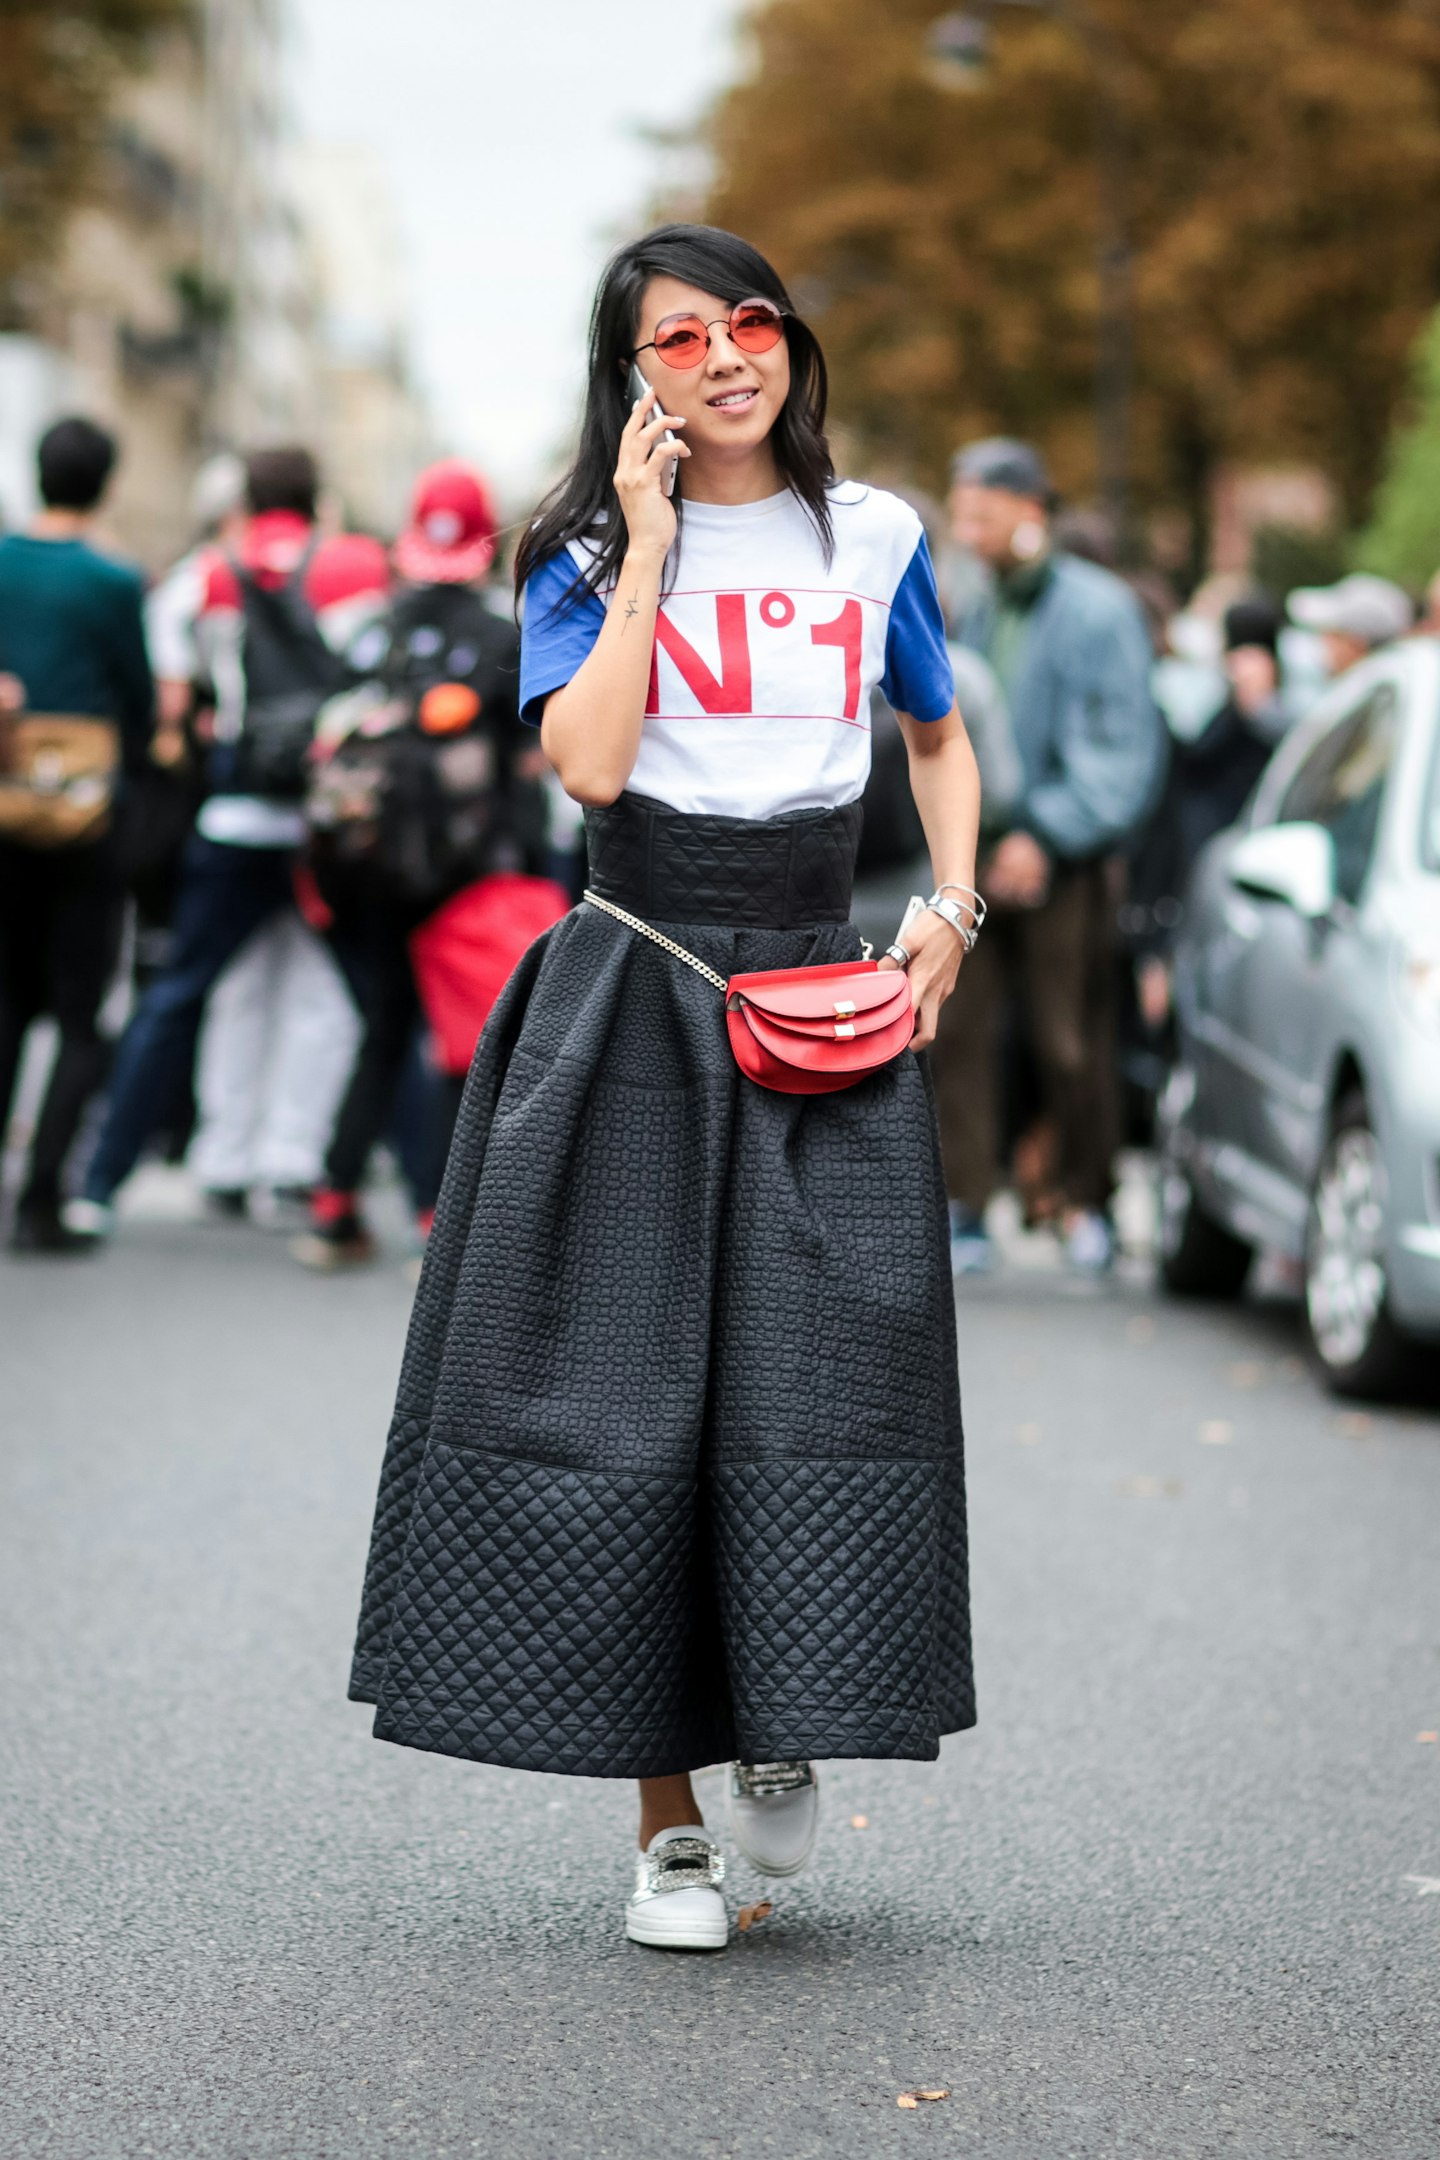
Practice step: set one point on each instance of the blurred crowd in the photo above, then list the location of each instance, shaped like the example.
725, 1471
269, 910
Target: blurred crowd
272, 837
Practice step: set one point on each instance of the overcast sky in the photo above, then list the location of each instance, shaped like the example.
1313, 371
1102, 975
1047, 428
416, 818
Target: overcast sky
508, 129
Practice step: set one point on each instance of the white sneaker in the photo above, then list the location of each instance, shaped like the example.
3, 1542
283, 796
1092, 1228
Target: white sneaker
88, 1218
677, 1903
1090, 1243
774, 1811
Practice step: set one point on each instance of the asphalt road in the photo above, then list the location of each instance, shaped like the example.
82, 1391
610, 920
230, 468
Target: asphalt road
1179, 1895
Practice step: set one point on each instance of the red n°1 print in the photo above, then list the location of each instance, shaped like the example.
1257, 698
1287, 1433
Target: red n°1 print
732, 690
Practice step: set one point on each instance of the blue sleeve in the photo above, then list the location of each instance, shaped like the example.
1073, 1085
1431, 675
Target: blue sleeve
918, 678
554, 638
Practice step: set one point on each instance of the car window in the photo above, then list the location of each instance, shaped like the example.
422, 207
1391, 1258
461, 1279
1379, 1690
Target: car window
1341, 785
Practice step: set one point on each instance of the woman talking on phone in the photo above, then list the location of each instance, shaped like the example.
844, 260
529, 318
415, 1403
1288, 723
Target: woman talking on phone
675, 1474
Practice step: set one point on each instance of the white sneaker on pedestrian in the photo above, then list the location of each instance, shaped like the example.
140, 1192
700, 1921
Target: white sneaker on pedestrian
677, 1903
1090, 1243
774, 1812
88, 1218
972, 1249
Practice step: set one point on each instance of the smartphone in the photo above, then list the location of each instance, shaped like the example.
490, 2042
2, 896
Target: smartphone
640, 388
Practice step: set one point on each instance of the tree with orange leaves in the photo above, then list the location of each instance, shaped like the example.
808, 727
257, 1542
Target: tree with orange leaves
1281, 168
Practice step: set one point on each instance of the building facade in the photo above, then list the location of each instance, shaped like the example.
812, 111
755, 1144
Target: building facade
217, 289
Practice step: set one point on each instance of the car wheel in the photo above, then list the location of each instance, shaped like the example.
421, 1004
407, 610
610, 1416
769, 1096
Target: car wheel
1356, 1344
1199, 1257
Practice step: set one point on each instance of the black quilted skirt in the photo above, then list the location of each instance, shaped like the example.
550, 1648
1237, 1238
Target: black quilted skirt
675, 1474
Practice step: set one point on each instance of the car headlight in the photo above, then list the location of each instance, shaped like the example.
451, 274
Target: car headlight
1417, 982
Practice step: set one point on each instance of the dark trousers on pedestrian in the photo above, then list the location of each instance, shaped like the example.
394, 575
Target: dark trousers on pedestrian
60, 917
1054, 963
226, 893
370, 938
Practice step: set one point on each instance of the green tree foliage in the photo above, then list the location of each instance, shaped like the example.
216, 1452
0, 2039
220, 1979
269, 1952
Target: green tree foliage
1402, 540
1283, 167
58, 67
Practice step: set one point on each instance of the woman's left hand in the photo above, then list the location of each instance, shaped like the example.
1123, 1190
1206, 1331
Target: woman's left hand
935, 955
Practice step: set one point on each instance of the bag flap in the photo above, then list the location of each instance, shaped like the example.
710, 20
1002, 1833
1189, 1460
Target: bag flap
819, 993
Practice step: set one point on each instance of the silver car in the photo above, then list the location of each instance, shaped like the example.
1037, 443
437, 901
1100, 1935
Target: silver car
1303, 1112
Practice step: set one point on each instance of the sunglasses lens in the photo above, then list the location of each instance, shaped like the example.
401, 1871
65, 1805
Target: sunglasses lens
756, 326
681, 342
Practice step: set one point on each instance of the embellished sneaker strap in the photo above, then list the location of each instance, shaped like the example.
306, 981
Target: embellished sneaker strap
763, 1781
684, 1863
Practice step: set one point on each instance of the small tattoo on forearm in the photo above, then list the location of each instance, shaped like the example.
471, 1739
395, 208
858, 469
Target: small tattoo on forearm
632, 608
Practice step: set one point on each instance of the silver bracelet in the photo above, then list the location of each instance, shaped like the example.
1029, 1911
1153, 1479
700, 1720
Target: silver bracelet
969, 899
949, 912
898, 953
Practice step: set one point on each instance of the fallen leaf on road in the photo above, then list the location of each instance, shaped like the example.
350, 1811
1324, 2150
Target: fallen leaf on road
1151, 1488
1355, 1424
1428, 1739
923, 2092
859, 1822
1140, 1330
1216, 1432
748, 1915
1028, 1435
1248, 1373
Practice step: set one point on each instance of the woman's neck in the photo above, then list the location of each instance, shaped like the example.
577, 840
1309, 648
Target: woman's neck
732, 481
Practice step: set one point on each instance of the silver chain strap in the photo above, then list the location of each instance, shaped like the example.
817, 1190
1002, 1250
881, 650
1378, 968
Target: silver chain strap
633, 922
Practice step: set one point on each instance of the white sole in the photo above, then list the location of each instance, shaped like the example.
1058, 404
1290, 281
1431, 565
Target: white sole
648, 1929
777, 1874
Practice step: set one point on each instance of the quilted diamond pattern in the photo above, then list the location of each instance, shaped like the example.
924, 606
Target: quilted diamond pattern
679, 1417
548, 1621
817, 1651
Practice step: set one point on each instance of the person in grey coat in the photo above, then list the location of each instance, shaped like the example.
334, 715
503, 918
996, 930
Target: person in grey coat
1069, 645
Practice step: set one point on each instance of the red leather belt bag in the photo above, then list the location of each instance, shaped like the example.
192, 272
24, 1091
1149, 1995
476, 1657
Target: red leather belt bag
806, 1030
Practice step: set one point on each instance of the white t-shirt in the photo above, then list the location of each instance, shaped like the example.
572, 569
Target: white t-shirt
765, 655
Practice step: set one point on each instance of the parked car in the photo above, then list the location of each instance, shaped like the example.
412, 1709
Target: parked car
1303, 1110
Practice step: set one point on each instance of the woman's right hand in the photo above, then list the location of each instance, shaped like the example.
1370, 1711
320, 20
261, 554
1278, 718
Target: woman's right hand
639, 477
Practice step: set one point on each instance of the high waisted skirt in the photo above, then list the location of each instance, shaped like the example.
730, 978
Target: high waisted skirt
675, 1473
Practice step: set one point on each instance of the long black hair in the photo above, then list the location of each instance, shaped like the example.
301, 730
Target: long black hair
585, 505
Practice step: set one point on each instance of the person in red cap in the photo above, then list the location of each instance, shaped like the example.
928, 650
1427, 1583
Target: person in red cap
450, 539
424, 797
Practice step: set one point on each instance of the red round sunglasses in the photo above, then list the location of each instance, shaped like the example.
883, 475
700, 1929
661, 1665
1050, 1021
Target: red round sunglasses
682, 341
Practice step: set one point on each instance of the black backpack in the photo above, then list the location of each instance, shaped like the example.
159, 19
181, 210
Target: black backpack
425, 813
289, 673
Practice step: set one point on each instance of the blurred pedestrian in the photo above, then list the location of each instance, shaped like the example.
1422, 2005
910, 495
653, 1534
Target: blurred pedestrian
273, 618
279, 1028
1069, 644
1209, 782
676, 1328
1353, 617
76, 716
424, 797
